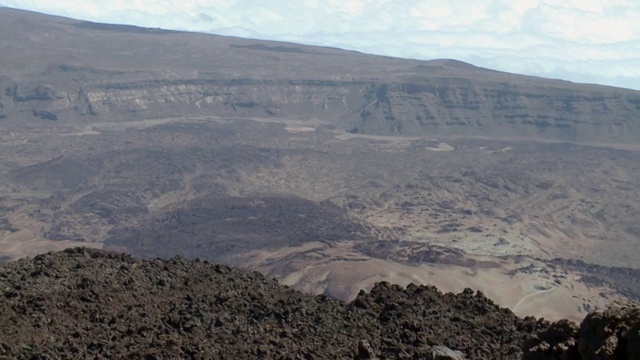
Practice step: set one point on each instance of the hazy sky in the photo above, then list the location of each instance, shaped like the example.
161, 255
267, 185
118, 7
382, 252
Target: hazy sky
594, 41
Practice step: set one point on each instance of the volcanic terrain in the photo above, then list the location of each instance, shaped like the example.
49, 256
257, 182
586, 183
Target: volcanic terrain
328, 170
87, 303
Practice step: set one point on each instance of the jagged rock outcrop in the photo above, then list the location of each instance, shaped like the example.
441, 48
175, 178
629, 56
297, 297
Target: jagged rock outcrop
557, 342
603, 335
611, 334
92, 303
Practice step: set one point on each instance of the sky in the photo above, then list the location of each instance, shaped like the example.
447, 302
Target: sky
592, 41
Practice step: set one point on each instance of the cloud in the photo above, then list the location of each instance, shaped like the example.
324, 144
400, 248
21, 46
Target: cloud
584, 41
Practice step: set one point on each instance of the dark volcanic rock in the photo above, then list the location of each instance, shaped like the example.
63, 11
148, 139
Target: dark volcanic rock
216, 229
613, 334
55, 174
91, 303
557, 342
625, 280
87, 303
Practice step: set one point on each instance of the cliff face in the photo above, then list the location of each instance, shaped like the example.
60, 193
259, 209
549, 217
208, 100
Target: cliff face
457, 106
77, 72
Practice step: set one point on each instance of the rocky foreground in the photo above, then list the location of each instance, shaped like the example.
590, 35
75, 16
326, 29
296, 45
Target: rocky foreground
85, 303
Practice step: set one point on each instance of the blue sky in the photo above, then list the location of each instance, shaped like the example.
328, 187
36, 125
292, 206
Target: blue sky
594, 41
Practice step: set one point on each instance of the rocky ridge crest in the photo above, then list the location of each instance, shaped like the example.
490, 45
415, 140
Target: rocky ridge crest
93, 303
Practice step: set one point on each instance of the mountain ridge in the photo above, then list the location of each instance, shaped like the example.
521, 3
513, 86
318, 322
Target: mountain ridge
205, 74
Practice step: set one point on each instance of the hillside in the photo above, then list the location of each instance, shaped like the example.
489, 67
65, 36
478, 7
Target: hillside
75, 72
91, 303
325, 169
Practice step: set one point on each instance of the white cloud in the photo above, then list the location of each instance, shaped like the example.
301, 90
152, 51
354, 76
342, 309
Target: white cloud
578, 40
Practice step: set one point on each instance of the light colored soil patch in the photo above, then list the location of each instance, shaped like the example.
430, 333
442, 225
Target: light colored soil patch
98, 128
335, 273
289, 122
295, 129
341, 135
441, 147
572, 298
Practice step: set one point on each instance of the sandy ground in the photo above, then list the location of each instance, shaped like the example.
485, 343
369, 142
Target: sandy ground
340, 271
335, 273
28, 241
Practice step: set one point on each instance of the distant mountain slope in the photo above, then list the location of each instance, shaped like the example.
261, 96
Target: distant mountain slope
56, 69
